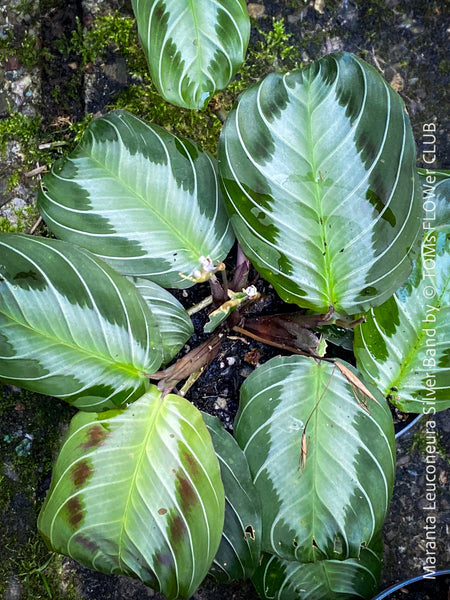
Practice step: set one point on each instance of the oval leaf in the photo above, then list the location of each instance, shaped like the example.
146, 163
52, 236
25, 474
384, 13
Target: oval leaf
402, 348
318, 169
336, 448
240, 548
193, 48
174, 322
138, 492
71, 327
353, 578
143, 200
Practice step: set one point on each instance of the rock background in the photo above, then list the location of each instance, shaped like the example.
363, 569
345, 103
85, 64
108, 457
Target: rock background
51, 81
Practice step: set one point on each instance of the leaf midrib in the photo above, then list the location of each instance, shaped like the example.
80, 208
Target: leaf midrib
138, 467
173, 230
199, 59
77, 349
405, 365
318, 198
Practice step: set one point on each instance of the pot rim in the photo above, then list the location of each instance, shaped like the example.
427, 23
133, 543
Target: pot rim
409, 426
398, 586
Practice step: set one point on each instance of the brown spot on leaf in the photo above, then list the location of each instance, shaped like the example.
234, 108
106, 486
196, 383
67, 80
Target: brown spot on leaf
96, 435
86, 543
166, 560
189, 462
75, 510
186, 493
162, 511
81, 473
177, 528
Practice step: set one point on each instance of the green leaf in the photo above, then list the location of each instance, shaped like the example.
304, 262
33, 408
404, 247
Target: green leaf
338, 336
349, 579
240, 548
138, 492
236, 300
193, 49
141, 199
321, 454
71, 327
174, 322
402, 348
318, 170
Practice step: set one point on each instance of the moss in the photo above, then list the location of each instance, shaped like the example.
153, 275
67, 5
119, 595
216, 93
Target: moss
117, 33
25, 48
28, 446
108, 34
7, 48
271, 52
30, 53
39, 146
38, 571
421, 443
20, 128
13, 181
24, 218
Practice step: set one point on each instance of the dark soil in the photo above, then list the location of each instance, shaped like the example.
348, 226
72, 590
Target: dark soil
61, 78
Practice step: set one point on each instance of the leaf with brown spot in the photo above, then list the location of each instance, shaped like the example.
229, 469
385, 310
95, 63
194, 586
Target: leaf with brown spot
75, 511
142, 470
187, 495
81, 473
86, 543
177, 529
96, 435
188, 460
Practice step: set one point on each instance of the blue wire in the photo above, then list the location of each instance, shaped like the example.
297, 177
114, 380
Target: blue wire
408, 427
398, 586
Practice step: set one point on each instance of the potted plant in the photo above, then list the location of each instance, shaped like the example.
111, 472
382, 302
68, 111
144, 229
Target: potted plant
316, 179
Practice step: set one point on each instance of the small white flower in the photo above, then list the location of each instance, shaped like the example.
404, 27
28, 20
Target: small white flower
206, 264
251, 291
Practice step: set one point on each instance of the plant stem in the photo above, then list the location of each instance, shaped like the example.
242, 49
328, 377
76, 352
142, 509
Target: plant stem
190, 382
195, 360
200, 306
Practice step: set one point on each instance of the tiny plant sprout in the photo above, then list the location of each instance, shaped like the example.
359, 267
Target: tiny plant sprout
208, 269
